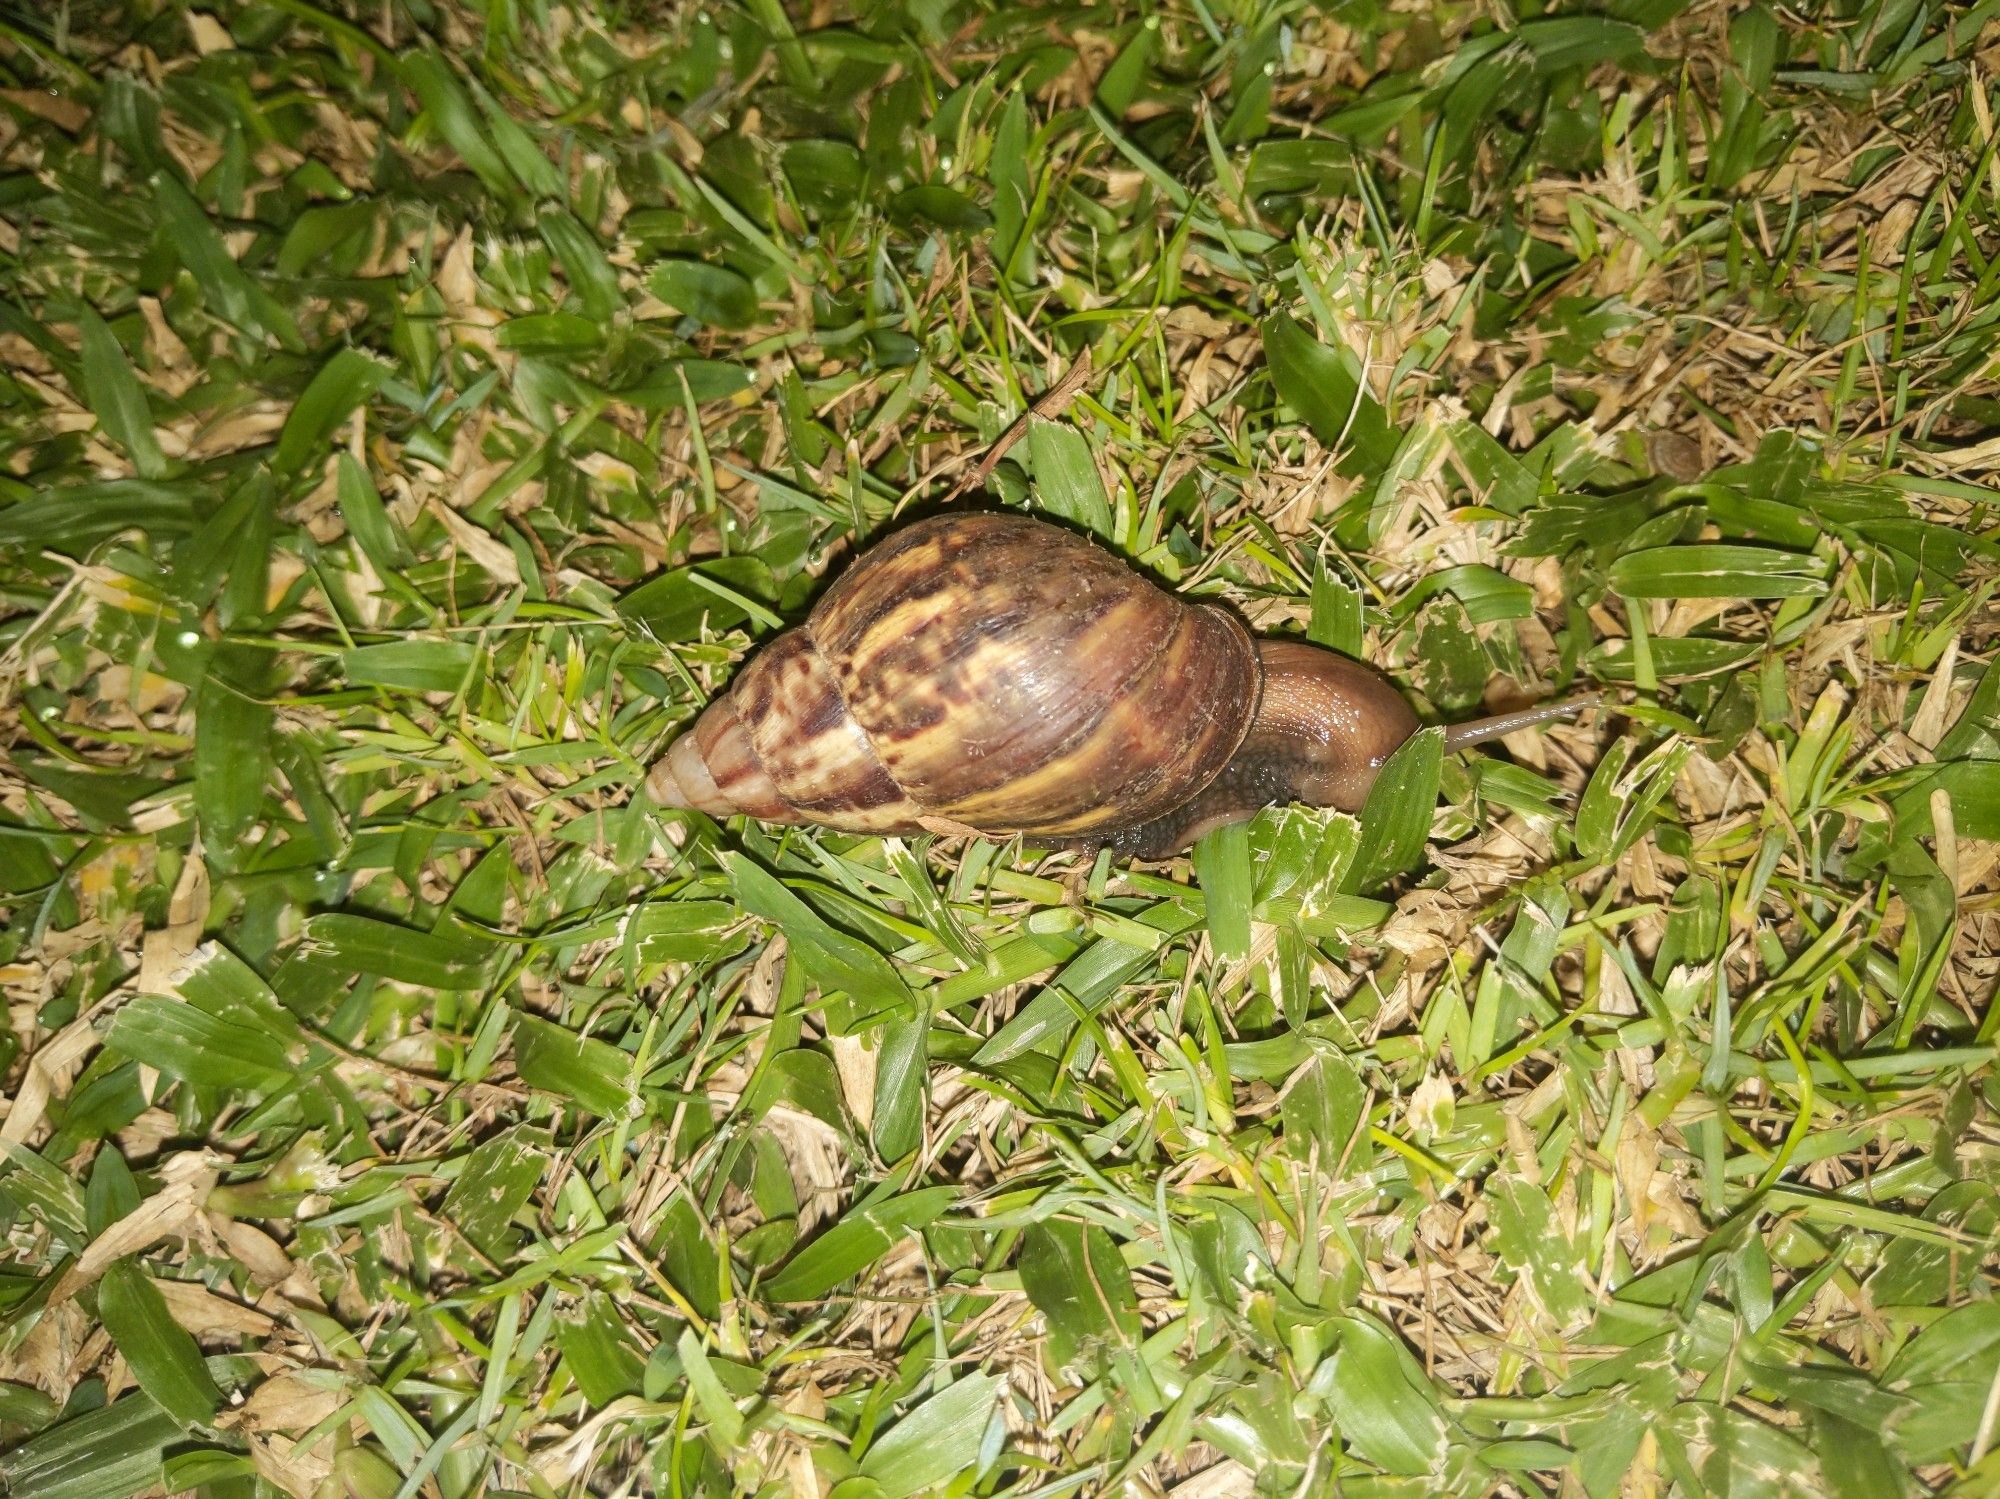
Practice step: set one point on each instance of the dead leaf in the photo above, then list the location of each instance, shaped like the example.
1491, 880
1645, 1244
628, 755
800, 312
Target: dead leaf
1431, 1107
168, 948
855, 1063
174, 369
189, 1177
208, 1315
51, 1070
1933, 715
46, 1354
296, 1400
290, 1466
478, 545
817, 1155
256, 1251
210, 35
65, 114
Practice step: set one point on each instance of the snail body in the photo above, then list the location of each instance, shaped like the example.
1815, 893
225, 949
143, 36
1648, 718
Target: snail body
991, 674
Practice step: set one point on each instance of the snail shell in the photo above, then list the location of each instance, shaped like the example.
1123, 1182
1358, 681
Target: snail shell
990, 674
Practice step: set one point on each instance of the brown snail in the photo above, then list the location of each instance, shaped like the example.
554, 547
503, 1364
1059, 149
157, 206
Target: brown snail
991, 674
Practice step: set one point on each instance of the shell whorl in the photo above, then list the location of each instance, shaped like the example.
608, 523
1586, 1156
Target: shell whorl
976, 672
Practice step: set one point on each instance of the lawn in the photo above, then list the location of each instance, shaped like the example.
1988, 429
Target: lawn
413, 411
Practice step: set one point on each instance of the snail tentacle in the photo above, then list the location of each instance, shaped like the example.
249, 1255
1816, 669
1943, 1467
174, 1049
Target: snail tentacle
1460, 736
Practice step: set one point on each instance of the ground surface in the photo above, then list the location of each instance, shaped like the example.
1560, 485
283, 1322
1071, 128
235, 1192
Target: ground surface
412, 412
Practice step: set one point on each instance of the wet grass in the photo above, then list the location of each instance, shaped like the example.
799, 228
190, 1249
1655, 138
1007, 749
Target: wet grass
413, 412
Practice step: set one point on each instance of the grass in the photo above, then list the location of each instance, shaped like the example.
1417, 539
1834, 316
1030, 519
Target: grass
413, 411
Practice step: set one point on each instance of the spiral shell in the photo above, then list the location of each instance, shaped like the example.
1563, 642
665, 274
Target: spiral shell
981, 673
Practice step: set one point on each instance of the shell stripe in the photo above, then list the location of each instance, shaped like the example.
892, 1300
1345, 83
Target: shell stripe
968, 689
1136, 761
733, 765
969, 725
817, 756
684, 779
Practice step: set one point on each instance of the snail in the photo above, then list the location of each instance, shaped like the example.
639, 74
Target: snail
989, 674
